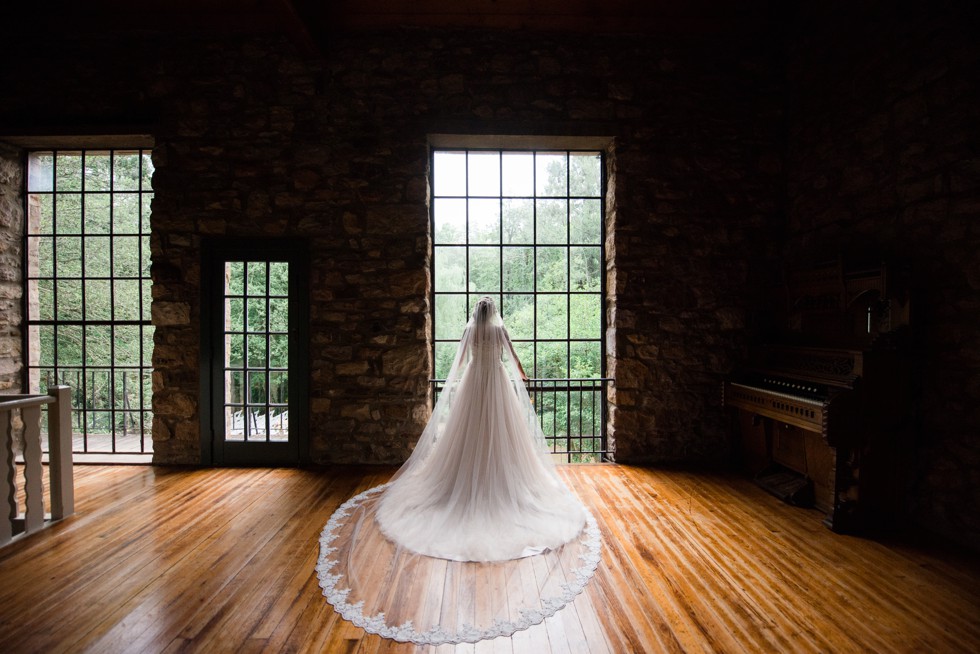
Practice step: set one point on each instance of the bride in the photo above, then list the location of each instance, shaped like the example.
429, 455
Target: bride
479, 488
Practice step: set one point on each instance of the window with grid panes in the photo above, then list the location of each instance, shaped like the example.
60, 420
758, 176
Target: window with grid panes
88, 290
526, 228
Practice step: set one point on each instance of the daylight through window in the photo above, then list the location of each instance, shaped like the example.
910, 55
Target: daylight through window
88, 290
526, 228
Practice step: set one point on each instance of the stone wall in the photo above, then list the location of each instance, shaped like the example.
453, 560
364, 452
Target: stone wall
253, 140
11, 281
884, 115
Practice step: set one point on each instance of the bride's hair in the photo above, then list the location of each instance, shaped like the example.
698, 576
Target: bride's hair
484, 311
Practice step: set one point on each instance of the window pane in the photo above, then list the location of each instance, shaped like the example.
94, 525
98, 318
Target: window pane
127, 305
235, 382
97, 220
127, 343
279, 350
126, 171
234, 278
550, 174
257, 381
585, 174
451, 316
126, 213
279, 387
96, 256
484, 270
256, 351
552, 360
585, 221
147, 162
98, 345
147, 350
517, 221
69, 298
279, 278
552, 269
44, 290
450, 221
68, 256
234, 350
256, 282
126, 256
518, 315
98, 301
68, 176
484, 173
518, 174
552, 221
234, 314
484, 221
69, 345
552, 316
444, 358
518, 269
525, 352
586, 265
145, 257
45, 340
256, 315
450, 268
68, 213
40, 172
97, 165
41, 208
449, 173
146, 202
279, 314
43, 246
146, 289
585, 316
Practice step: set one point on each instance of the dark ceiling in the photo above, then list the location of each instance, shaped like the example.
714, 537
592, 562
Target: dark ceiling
310, 23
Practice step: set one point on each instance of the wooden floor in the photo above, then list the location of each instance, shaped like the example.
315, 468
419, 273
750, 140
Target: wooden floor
172, 560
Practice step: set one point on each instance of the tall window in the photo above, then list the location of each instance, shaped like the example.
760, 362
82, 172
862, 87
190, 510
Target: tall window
526, 228
88, 290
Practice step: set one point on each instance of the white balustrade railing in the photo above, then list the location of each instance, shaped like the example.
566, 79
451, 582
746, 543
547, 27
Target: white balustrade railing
61, 487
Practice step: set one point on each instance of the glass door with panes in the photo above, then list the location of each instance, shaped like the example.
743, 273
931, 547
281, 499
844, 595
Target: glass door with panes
255, 346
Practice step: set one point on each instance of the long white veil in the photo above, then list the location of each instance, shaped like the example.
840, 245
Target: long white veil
475, 536
485, 332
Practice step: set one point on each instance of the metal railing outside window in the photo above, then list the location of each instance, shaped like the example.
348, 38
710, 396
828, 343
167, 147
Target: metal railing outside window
87, 263
525, 227
572, 415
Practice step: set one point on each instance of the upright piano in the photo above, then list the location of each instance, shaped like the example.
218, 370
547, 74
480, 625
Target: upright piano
830, 425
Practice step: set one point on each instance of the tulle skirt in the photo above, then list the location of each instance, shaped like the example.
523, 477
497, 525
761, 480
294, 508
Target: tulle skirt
478, 539
483, 493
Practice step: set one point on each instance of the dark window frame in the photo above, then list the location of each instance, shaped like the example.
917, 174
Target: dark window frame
81, 376
590, 390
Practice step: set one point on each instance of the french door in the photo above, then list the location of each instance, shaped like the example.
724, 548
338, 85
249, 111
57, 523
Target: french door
254, 354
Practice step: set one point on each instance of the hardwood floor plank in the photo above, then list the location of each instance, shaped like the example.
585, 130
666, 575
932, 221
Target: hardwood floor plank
184, 560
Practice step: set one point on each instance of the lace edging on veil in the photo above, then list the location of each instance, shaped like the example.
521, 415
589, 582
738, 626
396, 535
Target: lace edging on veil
336, 592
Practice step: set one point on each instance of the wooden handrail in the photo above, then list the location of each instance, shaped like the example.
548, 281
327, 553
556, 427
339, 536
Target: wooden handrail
62, 492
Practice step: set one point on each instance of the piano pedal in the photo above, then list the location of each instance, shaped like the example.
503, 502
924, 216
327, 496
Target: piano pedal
788, 485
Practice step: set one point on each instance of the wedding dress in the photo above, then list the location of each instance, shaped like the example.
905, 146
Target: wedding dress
475, 536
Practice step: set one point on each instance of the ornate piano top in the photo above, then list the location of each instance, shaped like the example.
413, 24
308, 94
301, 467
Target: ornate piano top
796, 385
783, 386
821, 366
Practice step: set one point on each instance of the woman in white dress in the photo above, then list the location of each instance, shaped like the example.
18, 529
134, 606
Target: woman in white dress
479, 487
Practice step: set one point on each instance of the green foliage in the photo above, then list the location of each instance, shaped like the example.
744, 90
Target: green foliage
89, 249
535, 246
257, 333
